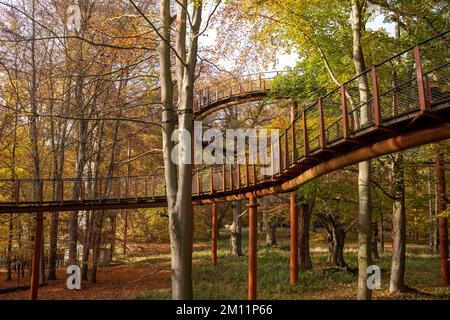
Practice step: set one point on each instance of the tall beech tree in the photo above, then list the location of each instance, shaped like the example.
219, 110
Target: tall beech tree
178, 176
365, 206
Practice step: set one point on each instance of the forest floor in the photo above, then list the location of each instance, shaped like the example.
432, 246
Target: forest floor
145, 274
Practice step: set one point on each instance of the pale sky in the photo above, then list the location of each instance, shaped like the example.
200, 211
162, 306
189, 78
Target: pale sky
289, 60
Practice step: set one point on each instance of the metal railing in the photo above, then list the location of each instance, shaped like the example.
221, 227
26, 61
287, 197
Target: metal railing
232, 88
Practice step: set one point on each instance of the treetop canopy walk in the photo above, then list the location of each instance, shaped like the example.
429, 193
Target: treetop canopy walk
398, 104
406, 101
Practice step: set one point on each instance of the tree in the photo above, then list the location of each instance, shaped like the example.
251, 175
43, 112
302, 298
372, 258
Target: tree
397, 282
443, 224
306, 209
236, 230
335, 238
365, 210
178, 176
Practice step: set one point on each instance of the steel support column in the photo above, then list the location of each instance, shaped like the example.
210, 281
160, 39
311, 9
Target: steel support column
423, 103
294, 109
252, 246
293, 262
36, 256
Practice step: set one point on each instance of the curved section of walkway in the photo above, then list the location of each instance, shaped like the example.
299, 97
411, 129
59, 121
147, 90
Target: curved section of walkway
232, 92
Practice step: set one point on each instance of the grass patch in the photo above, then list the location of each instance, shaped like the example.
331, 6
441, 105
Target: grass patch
228, 280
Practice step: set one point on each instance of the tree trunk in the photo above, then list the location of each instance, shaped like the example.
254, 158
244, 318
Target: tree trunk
303, 246
365, 214
270, 228
97, 236
125, 233
52, 257
335, 239
59, 160
8, 254
13, 177
125, 225
338, 247
90, 217
179, 182
381, 233
376, 240
92, 224
81, 156
397, 281
431, 226
443, 225
113, 234
34, 129
100, 216
236, 230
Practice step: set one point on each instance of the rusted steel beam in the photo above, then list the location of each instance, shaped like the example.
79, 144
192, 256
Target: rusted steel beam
280, 154
211, 178
376, 98
238, 172
423, 103
146, 187
153, 186
286, 149
305, 135
36, 256
41, 191
61, 191
323, 141
293, 262
100, 188
443, 224
231, 177
81, 185
17, 192
247, 174
136, 190
275, 159
294, 109
197, 181
224, 178
214, 229
118, 193
345, 127
252, 246
294, 144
